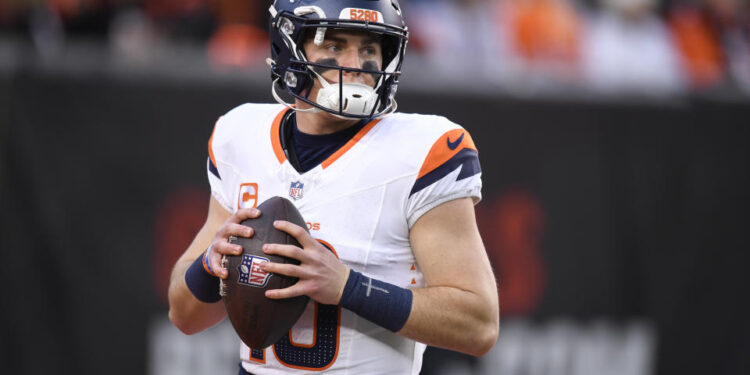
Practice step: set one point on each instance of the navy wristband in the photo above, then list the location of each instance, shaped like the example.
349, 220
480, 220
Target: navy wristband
203, 285
384, 304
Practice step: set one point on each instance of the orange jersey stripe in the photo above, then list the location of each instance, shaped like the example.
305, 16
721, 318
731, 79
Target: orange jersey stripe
448, 145
329, 246
360, 134
275, 136
210, 145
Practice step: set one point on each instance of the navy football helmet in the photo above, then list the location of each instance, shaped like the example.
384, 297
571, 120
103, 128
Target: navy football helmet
293, 20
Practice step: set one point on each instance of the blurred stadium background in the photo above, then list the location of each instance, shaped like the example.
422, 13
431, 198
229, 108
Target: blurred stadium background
613, 136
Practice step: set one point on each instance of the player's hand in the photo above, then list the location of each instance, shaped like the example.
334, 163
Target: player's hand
220, 244
321, 275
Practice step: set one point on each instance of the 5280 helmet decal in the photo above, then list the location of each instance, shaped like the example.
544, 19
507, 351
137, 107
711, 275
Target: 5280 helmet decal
293, 20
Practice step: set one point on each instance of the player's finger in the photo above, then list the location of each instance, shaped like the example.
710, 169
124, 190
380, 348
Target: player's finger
223, 247
297, 232
244, 213
214, 263
289, 292
239, 230
289, 251
292, 270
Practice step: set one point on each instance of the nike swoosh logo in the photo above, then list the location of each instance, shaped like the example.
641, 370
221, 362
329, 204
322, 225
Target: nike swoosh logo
453, 145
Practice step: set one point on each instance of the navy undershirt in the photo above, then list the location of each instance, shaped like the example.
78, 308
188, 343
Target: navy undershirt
314, 149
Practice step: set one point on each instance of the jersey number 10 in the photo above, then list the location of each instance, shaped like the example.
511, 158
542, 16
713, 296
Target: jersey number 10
320, 354
317, 356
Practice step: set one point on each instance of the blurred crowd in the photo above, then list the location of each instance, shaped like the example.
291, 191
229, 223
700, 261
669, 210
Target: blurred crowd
644, 46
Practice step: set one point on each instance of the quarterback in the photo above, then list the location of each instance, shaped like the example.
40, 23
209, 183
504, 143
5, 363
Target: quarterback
390, 194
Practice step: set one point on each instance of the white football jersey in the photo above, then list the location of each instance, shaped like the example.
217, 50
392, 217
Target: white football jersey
361, 202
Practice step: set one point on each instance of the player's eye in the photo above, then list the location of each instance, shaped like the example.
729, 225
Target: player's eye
333, 48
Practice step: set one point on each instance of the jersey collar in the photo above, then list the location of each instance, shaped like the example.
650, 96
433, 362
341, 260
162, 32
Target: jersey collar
281, 156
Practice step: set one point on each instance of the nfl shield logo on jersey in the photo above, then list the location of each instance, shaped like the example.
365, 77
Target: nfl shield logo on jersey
295, 191
250, 272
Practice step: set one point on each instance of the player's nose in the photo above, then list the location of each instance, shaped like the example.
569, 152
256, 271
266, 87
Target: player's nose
351, 59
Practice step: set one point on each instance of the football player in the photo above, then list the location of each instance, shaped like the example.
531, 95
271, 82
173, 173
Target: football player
390, 194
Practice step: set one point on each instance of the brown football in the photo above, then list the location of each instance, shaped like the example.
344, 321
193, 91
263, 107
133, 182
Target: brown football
258, 320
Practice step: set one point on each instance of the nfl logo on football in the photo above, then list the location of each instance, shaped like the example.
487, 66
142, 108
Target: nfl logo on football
250, 272
295, 190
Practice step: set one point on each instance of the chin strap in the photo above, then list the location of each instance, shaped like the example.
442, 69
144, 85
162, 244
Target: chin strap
358, 99
288, 105
276, 96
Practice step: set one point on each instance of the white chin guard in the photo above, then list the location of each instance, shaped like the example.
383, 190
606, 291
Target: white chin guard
358, 99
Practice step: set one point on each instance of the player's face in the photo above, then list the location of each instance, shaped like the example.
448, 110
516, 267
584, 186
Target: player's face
348, 49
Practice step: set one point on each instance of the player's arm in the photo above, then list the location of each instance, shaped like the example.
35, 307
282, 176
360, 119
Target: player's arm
187, 312
458, 309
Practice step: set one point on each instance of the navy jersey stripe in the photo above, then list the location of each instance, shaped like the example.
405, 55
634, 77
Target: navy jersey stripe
212, 168
467, 159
